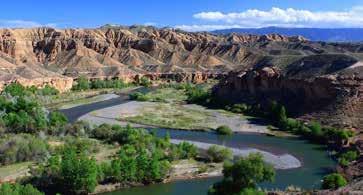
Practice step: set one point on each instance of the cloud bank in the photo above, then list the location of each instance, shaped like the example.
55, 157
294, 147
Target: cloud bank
254, 18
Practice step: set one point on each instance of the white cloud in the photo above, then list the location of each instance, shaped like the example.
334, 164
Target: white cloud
206, 27
254, 18
23, 24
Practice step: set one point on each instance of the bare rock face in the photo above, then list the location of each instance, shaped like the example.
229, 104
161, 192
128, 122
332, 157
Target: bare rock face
128, 52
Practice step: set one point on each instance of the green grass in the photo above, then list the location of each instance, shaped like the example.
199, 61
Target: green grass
172, 116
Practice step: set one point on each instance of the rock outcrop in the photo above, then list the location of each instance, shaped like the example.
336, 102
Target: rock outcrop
330, 91
128, 52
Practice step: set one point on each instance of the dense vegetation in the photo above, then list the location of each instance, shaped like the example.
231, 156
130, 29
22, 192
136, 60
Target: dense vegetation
83, 83
333, 181
23, 114
17, 189
313, 131
142, 158
243, 175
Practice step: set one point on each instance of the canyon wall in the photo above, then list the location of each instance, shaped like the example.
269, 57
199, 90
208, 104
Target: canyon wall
333, 97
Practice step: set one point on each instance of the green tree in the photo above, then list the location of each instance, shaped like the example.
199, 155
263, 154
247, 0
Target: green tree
334, 181
57, 119
15, 89
82, 83
187, 150
78, 172
243, 174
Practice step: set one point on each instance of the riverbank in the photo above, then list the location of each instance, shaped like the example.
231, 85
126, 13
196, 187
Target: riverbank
181, 170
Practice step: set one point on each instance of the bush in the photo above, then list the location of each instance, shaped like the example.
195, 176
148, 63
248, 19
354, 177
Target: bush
21, 148
243, 175
144, 81
103, 132
139, 97
219, 154
69, 171
78, 129
187, 150
48, 90
224, 130
198, 95
57, 119
82, 84
347, 157
334, 181
17, 189
15, 89
22, 114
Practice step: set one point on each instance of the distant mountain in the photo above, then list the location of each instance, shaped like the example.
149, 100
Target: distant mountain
313, 34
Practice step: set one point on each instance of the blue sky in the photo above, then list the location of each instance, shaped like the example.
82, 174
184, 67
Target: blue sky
187, 14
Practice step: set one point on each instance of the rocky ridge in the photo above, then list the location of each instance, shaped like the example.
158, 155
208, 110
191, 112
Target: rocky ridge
130, 52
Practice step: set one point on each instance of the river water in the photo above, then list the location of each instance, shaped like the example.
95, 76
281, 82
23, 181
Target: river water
315, 160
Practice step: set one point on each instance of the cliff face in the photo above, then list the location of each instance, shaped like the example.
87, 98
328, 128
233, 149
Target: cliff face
52, 56
329, 92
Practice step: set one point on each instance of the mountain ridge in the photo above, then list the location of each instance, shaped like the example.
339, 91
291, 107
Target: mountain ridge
313, 34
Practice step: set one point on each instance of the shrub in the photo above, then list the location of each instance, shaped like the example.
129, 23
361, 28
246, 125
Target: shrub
198, 95
15, 89
21, 148
82, 84
187, 150
219, 154
334, 181
48, 90
57, 119
224, 130
78, 129
144, 81
103, 132
138, 96
17, 189
347, 157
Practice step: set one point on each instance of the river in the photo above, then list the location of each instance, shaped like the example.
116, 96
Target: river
315, 161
